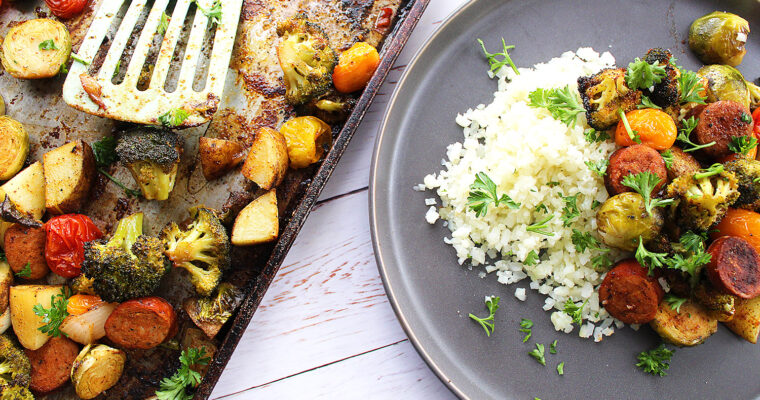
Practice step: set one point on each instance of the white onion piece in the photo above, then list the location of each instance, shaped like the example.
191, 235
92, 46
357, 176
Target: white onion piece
5, 320
87, 328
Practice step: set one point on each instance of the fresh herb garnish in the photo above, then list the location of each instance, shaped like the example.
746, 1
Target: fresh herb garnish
492, 303
116, 70
48, 45
25, 272
656, 361
562, 103
667, 155
104, 152
714, 169
525, 327
63, 69
600, 167
643, 75
646, 102
633, 135
552, 183
595, 204
601, 261
128, 191
53, 317
650, 259
570, 211
742, 144
180, 385
746, 118
685, 132
538, 354
594, 136
692, 264
173, 117
692, 242
644, 183
531, 259
561, 368
483, 193
78, 59
584, 240
164, 24
690, 87
495, 63
540, 227
675, 302
553, 347
214, 13
541, 207
575, 311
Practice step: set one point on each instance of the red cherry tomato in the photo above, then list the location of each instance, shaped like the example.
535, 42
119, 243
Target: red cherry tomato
756, 118
66, 8
64, 248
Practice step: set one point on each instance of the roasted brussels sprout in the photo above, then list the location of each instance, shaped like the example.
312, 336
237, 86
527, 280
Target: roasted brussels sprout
688, 325
96, 369
623, 218
719, 38
36, 49
211, 313
14, 147
727, 83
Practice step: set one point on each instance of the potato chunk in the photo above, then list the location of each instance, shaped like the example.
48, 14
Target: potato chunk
25, 322
746, 321
306, 138
27, 191
258, 222
218, 156
69, 174
267, 162
36, 49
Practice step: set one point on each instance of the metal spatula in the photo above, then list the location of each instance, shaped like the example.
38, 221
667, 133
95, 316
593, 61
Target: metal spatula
122, 99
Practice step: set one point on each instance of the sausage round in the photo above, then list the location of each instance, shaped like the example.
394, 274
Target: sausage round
141, 323
26, 245
734, 267
720, 122
631, 161
683, 163
629, 294
51, 364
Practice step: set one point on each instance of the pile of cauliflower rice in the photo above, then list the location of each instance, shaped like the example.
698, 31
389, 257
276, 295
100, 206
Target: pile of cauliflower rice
535, 159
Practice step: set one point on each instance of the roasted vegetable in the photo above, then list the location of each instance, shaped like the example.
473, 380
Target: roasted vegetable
747, 172
701, 203
719, 38
16, 393
128, 265
727, 83
203, 249
623, 218
87, 327
355, 67
605, 93
746, 321
306, 139
306, 58
742, 223
82, 285
36, 49
258, 222
6, 279
14, 147
218, 156
69, 175
24, 317
152, 155
15, 368
666, 93
687, 325
211, 313
27, 190
267, 160
718, 305
96, 369
681, 163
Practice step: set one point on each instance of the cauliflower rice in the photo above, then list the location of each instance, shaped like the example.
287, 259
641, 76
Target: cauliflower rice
536, 160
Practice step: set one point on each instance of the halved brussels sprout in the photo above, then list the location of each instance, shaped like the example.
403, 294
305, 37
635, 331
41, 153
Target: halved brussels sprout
719, 38
96, 369
623, 218
36, 49
725, 83
14, 147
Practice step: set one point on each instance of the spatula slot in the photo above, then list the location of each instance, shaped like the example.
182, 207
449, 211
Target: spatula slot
172, 77
97, 62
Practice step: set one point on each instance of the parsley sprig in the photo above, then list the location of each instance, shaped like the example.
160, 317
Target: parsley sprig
594, 136
483, 193
575, 311
712, 170
742, 144
540, 226
492, 303
643, 75
650, 259
668, 156
655, 361
600, 167
180, 385
538, 354
214, 13
48, 45
685, 132
104, 152
644, 183
531, 259
675, 302
494, 62
562, 103
690, 87
53, 317
25, 272
173, 118
646, 102
570, 211
525, 327
583, 241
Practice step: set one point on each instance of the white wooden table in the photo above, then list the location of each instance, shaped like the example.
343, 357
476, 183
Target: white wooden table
325, 328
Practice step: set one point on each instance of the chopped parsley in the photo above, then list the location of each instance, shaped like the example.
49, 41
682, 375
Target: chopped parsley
525, 327
53, 317
164, 24
531, 259
594, 136
173, 117
540, 227
667, 155
633, 135
570, 211
650, 259
494, 62
584, 240
538, 354
643, 75
656, 361
48, 45
562, 103
25, 272
646, 102
483, 193
492, 303
574, 311
690, 87
600, 167
561, 368
78, 59
685, 132
553, 347
742, 144
675, 302
644, 183
214, 13
601, 262
712, 170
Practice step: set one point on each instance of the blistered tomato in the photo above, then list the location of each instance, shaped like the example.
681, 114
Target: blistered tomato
655, 128
756, 119
355, 67
81, 303
66, 8
742, 223
64, 248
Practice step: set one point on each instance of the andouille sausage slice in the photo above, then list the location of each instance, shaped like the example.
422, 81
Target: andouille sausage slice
629, 294
720, 122
631, 161
51, 364
141, 323
683, 163
26, 245
734, 267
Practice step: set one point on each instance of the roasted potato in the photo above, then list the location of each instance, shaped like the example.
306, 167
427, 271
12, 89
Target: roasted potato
5, 320
69, 174
14, 147
306, 139
267, 161
196, 339
218, 156
25, 322
36, 49
689, 326
27, 191
258, 222
26, 246
6, 279
746, 321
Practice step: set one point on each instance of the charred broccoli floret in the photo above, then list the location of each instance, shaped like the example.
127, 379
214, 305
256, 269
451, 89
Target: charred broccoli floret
604, 94
152, 156
306, 58
702, 201
15, 368
15, 393
126, 266
211, 313
747, 173
666, 93
203, 249
331, 108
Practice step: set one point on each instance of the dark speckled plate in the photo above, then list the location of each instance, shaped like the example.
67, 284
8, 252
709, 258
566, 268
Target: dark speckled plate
432, 295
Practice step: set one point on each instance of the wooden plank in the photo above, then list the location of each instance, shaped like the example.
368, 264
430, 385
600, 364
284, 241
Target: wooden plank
392, 372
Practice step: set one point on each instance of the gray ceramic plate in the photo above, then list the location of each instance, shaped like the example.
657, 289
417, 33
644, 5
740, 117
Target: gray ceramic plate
432, 294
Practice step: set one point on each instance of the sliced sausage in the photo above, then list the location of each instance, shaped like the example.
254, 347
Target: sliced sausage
720, 122
683, 163
51, 364
734, 267
141, 323
629, 294
26, 245
631, 161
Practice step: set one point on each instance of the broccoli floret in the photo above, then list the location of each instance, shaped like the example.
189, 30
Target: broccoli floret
126, 266
747, 173
604, 94
306, 58
152, 156
666, 93
82, 285
203, 249
15, 368
15, 393
702, 202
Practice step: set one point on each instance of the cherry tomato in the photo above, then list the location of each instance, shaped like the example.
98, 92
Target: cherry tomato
81, 303
655, 128
742, 223
355, 67
66, 8
756, 118
64, 248
384, 18
733, 156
